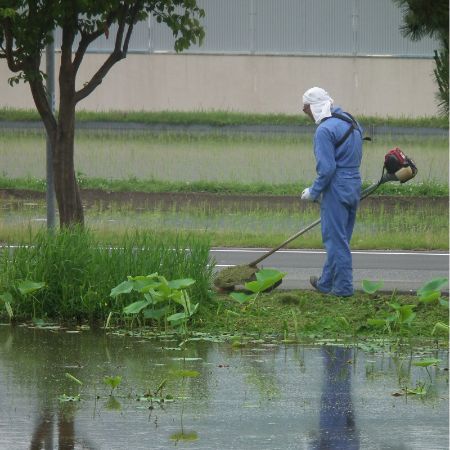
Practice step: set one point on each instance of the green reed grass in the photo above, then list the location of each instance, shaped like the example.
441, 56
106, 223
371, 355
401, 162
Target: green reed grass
218, 118
80, 270
209, 159
402, 226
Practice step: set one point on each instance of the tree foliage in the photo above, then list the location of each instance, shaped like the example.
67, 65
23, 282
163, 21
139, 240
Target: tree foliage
430, 18
26, 28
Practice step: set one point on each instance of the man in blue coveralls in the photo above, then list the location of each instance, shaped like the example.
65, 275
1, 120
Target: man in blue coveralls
338, 153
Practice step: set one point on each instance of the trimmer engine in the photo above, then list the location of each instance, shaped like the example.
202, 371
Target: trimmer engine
398, 164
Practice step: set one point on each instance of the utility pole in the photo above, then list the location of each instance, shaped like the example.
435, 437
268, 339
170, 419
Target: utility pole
50, 194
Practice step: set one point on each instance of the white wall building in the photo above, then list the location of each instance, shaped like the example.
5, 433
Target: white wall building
260, 56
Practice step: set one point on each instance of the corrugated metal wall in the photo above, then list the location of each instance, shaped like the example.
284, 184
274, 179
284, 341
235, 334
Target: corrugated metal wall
288, 27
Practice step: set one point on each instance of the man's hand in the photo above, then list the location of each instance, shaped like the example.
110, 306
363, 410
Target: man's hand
306, 195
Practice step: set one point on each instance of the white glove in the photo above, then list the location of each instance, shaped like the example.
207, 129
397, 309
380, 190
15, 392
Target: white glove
306, 195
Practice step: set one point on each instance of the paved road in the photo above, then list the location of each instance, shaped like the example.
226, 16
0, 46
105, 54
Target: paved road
401, 270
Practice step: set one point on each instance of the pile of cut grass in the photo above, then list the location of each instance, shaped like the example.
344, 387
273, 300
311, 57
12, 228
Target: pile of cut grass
300, 316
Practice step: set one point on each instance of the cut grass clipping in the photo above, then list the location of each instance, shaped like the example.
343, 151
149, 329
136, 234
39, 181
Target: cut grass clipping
230, 277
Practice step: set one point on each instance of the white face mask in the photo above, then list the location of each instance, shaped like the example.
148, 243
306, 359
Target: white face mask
320, 103
321, 110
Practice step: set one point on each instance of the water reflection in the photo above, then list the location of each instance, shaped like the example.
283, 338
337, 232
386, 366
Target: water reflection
42, 437
337, 429
63, 422
261, 396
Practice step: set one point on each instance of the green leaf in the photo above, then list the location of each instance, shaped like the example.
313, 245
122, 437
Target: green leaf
177, 316
155, 313
183, 315
264, 280
6, 297
182, 298
71, 377
241, 298
9, 310
434, 285
136, 307
426, 362
370, 287
185, 373
112, 382
440, 326
266, 274
28, 287
428, 297
181, 283
154, 297
376, 322
146, 286
419, 390
343, 321
443, 302
69, 398
123, 288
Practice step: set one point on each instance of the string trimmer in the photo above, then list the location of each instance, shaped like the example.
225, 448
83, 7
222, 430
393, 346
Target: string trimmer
397, 167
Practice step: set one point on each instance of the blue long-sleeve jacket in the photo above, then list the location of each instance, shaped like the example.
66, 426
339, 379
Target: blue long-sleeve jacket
332, 162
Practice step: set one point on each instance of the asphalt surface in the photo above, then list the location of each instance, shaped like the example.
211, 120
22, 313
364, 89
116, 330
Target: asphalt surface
400, 270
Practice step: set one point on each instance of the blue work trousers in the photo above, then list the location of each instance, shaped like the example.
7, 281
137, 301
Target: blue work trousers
338, 213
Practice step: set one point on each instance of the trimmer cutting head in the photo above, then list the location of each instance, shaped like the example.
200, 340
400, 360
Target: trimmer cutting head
231, 277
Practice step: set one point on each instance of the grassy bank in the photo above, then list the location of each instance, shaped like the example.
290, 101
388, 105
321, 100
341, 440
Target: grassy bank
306, 315
69, 277
397, 223
426, 189
218, 118
77, 272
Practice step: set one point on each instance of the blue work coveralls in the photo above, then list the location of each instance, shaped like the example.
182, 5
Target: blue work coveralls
339, 181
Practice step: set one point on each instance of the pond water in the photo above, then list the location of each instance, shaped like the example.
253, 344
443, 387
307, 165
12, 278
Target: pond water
259, 396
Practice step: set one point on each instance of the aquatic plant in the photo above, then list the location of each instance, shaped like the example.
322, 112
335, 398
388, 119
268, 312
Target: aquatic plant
69, 398
159, 296
72, 378
431, 292
265, 279
7, 299
183, 374
112, 381
427, 362
25, 288
29, 287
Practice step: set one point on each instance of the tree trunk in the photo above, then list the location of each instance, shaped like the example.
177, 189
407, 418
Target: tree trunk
66, 186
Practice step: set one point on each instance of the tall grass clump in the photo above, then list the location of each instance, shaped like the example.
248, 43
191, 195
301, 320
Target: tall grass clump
79, 272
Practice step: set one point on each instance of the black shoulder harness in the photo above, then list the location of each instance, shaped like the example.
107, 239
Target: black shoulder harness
353, 126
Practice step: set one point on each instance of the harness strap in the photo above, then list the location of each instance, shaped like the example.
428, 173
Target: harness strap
353, 126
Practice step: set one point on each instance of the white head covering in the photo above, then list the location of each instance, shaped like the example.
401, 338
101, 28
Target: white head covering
320, 103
